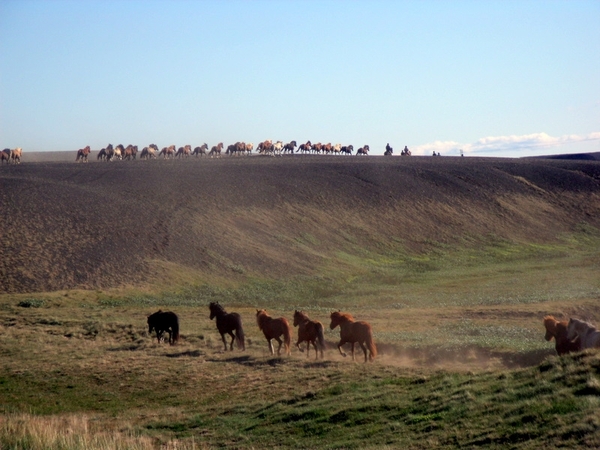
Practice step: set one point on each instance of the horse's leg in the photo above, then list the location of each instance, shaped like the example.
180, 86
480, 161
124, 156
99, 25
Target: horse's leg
353, 359
224, 341
298, 345
280, 344
342, 342
307, 348
271, 347
364, 348
232, 341
314, 343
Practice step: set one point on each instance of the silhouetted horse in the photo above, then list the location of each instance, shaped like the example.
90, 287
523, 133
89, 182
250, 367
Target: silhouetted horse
162, 321
311, 332
228, 323
558, 331
5, 156
352, 332
389, 151
274, 329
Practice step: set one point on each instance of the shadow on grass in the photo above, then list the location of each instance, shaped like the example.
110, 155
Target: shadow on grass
188, 353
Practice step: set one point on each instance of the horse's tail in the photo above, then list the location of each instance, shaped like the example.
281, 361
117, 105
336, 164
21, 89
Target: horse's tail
239, 334
287, 337
175, 327
321, 335
371, 345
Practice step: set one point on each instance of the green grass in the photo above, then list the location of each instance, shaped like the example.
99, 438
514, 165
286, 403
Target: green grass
462, 362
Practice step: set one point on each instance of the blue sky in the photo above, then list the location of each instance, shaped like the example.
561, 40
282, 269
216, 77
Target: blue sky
507, 78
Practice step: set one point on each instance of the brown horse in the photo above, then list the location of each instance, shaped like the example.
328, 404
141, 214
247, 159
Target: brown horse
311, 332
304, 148
168, 152
273, 329
216, 150
5, 156
200, 150
558, 331
82, 154
352, 332
184, 152
228, 323
363, 150
129, 152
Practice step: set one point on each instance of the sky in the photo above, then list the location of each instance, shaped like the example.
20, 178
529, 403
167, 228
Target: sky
491, 78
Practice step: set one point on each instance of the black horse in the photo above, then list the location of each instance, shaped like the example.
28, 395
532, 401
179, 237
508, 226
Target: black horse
389, 151
228, 323
162, 321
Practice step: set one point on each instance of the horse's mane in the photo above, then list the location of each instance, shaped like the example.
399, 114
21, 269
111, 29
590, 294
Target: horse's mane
302, 314
341, 315
216, 306
550, 323
261, 316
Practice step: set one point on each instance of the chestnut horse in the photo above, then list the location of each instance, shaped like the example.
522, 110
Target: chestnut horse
273, 329
228, 323
311, 332
588, 333
162, 321
82, 154
558, 331
216, 150
352, 332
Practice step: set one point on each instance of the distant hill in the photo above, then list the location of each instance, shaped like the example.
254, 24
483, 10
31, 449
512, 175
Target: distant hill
577, 156
66, 225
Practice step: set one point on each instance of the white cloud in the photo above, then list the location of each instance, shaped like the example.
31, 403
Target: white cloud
504, 144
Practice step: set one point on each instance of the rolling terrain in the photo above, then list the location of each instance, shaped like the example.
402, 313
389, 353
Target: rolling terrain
88, 226
453, 261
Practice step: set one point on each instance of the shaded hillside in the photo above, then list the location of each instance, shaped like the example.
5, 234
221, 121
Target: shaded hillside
68, 225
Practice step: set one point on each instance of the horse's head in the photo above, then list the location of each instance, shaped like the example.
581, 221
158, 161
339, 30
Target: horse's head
335, 319
299, 317
214, 309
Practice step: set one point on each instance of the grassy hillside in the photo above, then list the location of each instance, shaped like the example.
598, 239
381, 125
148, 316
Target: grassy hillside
454, 262
68, 226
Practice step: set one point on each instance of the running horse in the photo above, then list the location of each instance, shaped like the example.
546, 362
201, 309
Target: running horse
274, 329
5, 155
558, 330
82, 154
162, 321
216, 150
199, 151
311, 332
587, 333
228, 323
353, 332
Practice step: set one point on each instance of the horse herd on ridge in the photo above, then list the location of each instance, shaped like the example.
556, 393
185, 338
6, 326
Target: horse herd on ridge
570, 336
267, 148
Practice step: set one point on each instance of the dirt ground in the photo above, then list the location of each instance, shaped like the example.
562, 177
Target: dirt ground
66, 225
